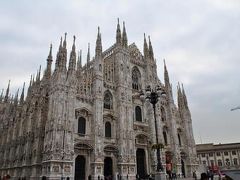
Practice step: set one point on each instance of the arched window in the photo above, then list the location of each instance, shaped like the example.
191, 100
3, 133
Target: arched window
163, 113
179, 140
138, 113
108, 130
136, 78
219, 162
165, 137
107, 100
81, 126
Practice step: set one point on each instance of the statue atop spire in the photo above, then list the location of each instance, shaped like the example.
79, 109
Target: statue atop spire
118, 34
124, 37
7, 92
98, 50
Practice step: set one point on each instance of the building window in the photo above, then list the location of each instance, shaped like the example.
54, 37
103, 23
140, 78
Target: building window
203, 155
108, 130
138, 113
212, 162
204, 162
218, 153
219, 163
210, 154
107, 100
227, 162
235, 161
163, 113
136, 78
165, 137
81, 126
225, 153
179, 140
234, 153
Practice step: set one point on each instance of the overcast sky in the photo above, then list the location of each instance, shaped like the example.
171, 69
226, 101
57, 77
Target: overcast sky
200, 40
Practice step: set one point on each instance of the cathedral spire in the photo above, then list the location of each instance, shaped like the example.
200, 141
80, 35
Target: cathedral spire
79, 62
124, 37
118, 34
16, 98
7, 92
1, 97
63, 60
151, 55
65, 41
72, 61
49, 64
22, 95
184, 98
57, 63
88, 55
98, 50
39, 74
145, 47
179, 96
166, 76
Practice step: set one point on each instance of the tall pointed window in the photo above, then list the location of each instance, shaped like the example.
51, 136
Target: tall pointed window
81, 126
136, 79
163, 114
165, 137
108, 100
138, 113
179, 140
108, 130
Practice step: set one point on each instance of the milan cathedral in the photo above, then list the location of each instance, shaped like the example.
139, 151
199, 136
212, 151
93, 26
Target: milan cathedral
88, 121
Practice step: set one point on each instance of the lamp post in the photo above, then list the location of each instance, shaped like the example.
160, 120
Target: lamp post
153, 95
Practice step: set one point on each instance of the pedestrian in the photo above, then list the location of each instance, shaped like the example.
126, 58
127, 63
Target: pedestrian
204, 176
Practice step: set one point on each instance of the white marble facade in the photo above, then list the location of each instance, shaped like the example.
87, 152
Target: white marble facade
78, 121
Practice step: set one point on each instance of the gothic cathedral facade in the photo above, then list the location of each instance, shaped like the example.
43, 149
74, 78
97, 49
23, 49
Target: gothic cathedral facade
78, 122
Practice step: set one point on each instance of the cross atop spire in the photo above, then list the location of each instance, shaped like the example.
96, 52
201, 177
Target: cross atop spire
118, 34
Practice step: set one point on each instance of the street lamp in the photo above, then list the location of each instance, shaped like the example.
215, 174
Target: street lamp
153, 95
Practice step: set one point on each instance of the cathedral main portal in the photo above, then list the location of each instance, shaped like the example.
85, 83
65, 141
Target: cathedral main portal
108, 167
141, 163
80, 164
